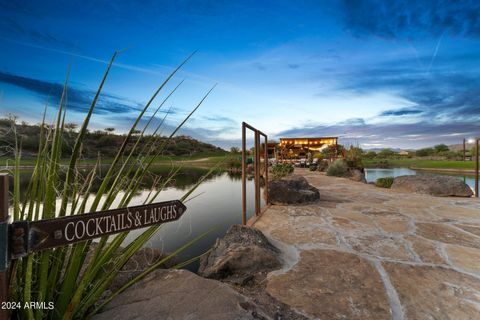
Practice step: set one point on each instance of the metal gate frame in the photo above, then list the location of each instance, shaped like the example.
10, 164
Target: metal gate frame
477, 151
256, 165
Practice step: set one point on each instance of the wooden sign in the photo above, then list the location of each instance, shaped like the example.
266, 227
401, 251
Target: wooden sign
31, 236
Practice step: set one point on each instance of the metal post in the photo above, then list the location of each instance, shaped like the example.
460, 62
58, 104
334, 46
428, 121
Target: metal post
266, 170
464, 157
257, 173
244, 177
256, 167
476, 166
4, 259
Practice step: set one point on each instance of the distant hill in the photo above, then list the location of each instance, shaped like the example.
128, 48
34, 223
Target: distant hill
105, 143
380, 149
459, 147
453, 147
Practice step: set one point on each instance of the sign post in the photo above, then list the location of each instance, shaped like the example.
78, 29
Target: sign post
20, 238
4, 254
32, 236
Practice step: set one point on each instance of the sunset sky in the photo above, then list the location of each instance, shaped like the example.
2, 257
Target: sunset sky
400, 74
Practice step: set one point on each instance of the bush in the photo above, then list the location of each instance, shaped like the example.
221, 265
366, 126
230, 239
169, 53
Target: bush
384, 182
280, 170
338, 169
425, 152
313, 167
322, 165
370, 155
386, 153
233, 163
452, 155
383, 164
107, 141
441, 148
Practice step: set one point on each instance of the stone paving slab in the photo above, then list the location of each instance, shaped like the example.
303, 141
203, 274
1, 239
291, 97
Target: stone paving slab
363, 252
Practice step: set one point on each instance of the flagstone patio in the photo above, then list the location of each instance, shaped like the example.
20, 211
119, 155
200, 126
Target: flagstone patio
364, 252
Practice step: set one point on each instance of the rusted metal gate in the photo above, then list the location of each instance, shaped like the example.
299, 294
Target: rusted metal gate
477, 140
256, 167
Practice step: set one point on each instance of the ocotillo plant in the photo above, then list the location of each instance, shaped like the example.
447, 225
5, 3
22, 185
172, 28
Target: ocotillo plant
64, 275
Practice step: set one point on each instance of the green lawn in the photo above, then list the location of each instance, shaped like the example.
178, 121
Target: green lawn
424, 164
204, 158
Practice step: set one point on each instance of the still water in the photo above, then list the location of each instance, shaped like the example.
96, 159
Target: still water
372, 174
216, 203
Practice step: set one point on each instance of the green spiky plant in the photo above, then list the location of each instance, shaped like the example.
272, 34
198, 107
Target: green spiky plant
63, 275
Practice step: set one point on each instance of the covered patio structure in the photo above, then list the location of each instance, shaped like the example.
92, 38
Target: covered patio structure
299, 148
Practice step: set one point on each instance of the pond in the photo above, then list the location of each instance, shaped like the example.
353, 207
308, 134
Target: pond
372, 174
216, 203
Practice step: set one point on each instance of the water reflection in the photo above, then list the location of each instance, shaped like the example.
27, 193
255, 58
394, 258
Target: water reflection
215, 203
184, 180
372, 174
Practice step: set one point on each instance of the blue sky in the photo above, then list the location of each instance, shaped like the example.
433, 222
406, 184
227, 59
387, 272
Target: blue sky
378, 73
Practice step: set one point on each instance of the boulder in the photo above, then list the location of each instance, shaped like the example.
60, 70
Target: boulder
179, 294
241, 254
436, 185
291, 189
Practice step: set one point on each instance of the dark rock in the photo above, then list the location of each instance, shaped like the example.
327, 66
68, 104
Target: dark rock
180, 294
241, 253
436, 185
291, 189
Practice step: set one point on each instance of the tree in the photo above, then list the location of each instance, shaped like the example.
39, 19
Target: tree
234, 150
425, 152
331, 151
370, 155
386, 153
109, 130
71, 126
441, 148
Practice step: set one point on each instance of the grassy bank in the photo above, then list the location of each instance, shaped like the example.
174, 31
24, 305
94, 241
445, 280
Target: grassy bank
201, 159
422, 164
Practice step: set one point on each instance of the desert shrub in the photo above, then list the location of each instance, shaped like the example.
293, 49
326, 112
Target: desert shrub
386, 153
425, 152
233, 163
370, 155
441, 148
452, 155
383, 164
280, 170
107, 141
384, 182
318, 155
322, 165
338, 169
